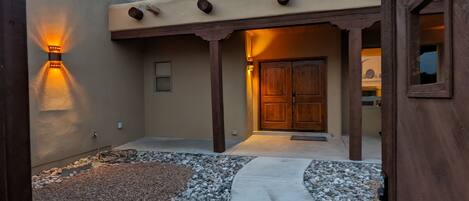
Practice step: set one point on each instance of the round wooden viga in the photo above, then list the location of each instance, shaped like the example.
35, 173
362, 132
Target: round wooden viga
136, 13
205, 6
283, 2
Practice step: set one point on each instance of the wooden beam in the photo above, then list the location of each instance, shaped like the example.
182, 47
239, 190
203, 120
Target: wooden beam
205, 6
214, 37
254, 23
136, 13
15, 161
355, 94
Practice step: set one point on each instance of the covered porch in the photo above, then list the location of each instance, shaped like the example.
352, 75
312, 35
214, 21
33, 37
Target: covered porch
353, 26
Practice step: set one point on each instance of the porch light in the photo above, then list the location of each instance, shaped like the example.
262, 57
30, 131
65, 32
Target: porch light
250, 66
55, 56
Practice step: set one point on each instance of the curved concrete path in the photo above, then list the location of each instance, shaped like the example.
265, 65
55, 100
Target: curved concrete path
271, 179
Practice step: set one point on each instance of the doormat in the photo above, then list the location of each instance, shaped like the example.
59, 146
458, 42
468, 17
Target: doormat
309, 138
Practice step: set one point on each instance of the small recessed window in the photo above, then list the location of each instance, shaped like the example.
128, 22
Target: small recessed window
429, 43
163, 74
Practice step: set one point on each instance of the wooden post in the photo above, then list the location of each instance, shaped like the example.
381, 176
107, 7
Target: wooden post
15, 161
355, 93
215, 37
355, 28
217, 96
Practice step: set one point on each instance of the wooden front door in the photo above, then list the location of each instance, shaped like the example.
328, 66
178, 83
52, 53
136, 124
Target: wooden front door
293, 95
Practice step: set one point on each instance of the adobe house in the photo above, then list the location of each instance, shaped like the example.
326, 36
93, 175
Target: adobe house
224, 69
158, 76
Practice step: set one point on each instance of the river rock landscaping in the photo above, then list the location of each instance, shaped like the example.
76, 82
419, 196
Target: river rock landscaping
132, 175
343, 181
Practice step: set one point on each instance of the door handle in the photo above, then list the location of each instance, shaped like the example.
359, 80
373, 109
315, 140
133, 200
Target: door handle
294, 99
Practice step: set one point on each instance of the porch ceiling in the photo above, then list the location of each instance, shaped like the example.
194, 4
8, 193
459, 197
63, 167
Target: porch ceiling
180, 12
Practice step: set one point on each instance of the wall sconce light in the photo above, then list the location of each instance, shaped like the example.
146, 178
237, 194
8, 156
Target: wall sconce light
250, 66
55, 56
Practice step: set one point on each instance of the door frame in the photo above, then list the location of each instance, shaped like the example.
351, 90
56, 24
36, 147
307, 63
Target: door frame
259, 62
389, 97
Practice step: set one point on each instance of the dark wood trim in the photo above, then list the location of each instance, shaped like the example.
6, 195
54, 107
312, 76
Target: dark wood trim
443, 88
355, 94
259, 63
253, 23
389, 103
217, 96
15, 161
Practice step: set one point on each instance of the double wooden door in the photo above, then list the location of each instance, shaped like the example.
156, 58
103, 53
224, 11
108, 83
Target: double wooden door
293, 95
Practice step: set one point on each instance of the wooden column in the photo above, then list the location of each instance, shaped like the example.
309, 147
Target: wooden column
355, 94
215, 37
355, 28
217, 96
15, 162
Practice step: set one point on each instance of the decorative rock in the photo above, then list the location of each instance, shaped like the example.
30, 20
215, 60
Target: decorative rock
331, 180
212, 179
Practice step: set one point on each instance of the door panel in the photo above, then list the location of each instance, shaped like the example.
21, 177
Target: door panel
276, 96
309, 95
431, 145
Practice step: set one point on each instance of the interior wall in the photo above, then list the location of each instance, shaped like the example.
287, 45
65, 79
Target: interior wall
186, 111
371, 115
99, 84
302, 42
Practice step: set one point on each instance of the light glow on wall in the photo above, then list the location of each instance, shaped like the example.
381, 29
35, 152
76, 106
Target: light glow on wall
54, 89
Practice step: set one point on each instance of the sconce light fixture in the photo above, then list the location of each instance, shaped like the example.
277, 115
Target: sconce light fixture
55, 56
250, 66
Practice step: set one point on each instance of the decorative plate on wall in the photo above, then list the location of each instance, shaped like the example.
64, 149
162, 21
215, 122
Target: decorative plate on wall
370, 74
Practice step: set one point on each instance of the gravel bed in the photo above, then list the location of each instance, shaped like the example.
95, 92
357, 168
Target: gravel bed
343, 181
213, 174
126, 182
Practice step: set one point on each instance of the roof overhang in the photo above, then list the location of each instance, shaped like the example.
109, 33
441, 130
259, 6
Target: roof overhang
183, 16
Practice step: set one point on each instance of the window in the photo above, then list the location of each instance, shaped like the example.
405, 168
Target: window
429, 49
163, 75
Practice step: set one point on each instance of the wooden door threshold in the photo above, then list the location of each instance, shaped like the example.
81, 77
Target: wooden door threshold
290, 133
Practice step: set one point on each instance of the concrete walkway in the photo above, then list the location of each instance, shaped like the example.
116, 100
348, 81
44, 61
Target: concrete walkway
271, 179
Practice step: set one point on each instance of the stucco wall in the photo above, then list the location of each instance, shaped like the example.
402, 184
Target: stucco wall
175, 12
303, 42
100, 84
185, 112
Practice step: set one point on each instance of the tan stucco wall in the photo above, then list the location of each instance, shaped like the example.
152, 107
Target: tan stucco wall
100, 84
303, 42
175, 12
185, 112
